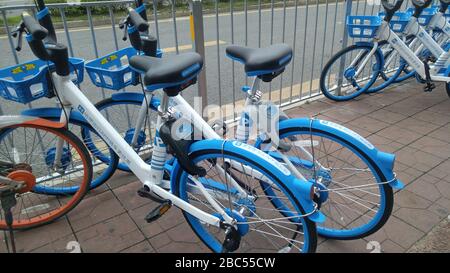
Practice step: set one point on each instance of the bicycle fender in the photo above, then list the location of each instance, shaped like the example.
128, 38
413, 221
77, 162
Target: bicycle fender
55, 113
384, 161
136, 97
370, 44
301, 189
6, 121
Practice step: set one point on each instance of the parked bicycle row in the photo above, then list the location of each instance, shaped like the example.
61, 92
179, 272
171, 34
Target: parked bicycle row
395, 45
311, 177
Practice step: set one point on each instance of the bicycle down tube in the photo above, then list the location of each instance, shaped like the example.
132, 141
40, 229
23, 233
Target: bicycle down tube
70, 94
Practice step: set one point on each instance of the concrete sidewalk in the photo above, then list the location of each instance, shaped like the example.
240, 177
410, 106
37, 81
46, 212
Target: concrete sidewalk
403, 120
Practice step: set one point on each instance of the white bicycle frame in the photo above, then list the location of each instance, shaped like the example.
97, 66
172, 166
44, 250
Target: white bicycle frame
385, 33
149, 175
437, 21
241, 131
152, 175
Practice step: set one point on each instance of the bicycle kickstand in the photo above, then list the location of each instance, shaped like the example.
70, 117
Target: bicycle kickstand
8, 190
429, 85
8, 201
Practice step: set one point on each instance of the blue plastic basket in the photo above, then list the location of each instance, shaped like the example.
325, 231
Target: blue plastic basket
27, 82
113, 71
363, 26
399, 21
426, 15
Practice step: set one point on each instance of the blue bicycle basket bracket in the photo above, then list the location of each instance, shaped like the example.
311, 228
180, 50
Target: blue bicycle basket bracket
29, 81
113, 71
399, 20
426, 15
363, 26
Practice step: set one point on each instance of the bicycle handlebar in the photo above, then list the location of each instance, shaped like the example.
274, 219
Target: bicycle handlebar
390, 9
42, 45
140, 39
33, 27
419, 6
137, 21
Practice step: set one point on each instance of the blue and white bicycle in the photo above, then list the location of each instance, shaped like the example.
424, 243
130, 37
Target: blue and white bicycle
234, 196
355, 180
345, 77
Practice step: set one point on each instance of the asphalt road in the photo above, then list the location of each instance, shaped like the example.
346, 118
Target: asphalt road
319, 34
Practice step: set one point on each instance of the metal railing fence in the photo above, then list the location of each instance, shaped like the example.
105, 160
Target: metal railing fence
314, 28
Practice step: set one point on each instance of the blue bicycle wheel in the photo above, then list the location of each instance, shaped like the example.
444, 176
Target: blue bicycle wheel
353, 198
340, 80
391, 71
261, 226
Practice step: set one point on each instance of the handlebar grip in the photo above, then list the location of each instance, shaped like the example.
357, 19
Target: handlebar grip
137, 21
390, 8
444, 5
33, 27
419, 6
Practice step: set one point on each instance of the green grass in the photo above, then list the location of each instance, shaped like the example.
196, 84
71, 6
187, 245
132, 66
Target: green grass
181, 7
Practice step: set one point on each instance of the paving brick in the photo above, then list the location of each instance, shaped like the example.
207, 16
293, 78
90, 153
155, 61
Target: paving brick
400, 232
405, 173
369, 124
424, 187
111, 235
433, 117
442, 133
384, 144
183, 233
418, 126
405, 108
422, 219
67, 244
361, 107
337, 246
417, 159
408, 199
142, 247
400, 135
31, 239
160, 240
390, 247
121, 178
441, 171
387, 116
342, 114
440, 208
176, 247
444, 188
317, 107
94, 210
432, 146
441, 107
127, 195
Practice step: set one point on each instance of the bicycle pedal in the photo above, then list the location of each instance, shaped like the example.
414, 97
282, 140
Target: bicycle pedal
159, 211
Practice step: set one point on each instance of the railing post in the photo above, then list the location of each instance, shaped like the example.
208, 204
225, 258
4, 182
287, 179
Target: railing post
348, 10
197, 33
